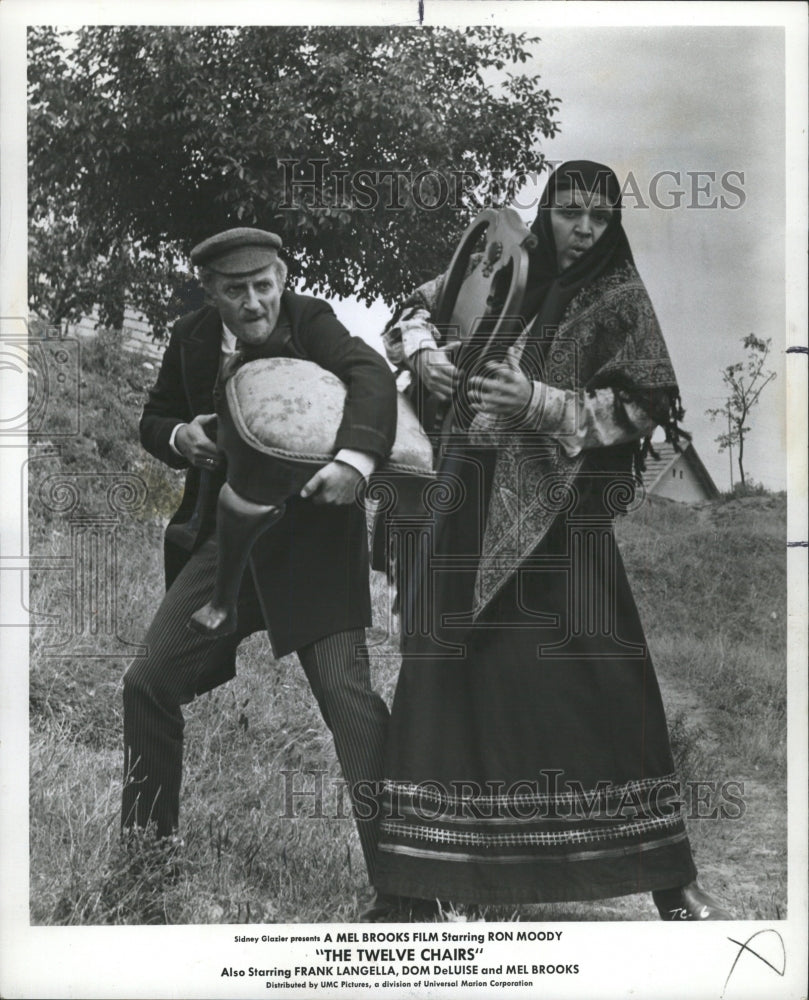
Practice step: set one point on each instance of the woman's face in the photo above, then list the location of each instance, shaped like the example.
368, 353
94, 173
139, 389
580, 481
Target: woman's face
578, 221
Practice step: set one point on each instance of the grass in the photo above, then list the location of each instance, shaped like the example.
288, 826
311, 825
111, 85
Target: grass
710, 584
711, 588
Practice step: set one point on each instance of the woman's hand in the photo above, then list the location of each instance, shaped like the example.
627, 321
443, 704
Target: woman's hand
435, 370
503, 391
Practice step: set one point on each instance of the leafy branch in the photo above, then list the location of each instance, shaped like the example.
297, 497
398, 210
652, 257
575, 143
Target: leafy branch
745, 381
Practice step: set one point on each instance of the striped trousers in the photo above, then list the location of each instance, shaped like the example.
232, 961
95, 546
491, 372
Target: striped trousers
174, 670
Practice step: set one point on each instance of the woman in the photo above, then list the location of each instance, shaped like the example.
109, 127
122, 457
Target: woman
529, 758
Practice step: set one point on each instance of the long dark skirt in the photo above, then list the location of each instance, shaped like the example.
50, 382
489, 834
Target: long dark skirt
528, 757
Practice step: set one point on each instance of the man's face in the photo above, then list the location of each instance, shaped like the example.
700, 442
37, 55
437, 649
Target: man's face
578, 221
248, 306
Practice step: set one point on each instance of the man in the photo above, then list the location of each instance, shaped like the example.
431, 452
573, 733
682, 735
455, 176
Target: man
309, 586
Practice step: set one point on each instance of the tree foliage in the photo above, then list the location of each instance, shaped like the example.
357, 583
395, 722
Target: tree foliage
745, 381
145, 140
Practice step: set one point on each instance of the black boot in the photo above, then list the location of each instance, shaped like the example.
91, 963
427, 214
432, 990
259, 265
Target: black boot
688, 902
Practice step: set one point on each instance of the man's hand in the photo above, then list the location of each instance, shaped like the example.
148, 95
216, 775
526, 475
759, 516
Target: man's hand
436, 371
503, 391
194, 444
334, 483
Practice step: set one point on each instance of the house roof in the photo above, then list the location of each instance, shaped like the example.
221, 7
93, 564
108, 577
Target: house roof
656, 468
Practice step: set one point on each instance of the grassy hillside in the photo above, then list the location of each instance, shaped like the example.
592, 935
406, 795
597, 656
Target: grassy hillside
710, 584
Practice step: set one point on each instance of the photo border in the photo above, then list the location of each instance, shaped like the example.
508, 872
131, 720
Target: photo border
616, 958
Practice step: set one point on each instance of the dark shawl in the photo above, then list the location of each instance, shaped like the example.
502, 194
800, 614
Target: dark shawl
552, 296
588, 327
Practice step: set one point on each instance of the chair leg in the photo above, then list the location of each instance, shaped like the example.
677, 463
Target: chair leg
239, 523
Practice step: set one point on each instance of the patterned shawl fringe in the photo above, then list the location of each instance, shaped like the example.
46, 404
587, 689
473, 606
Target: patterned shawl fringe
674, 434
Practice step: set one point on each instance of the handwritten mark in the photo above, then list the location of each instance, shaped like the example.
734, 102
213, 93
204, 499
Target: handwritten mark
798, 350
745, 946
421, 11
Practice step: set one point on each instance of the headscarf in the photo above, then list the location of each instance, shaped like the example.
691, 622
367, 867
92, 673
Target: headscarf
589, 326
549, 293
549, 290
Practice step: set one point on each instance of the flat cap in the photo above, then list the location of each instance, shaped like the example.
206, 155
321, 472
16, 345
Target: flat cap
237, 251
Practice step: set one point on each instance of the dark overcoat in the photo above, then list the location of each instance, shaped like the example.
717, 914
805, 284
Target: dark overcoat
311, 568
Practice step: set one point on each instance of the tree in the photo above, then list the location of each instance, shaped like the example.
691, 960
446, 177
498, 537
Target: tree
367, 149
745, 381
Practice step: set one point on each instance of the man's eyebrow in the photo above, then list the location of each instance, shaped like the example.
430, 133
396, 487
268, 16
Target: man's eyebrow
236, 283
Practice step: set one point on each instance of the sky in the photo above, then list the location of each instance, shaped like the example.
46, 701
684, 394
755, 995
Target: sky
684, 99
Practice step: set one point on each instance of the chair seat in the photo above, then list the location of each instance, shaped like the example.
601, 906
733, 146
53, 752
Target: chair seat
279, 425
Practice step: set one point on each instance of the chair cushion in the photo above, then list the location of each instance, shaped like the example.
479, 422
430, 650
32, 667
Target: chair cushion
291, 409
